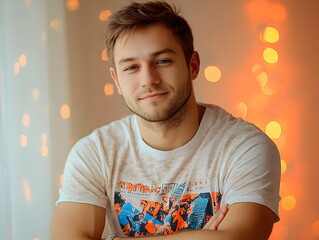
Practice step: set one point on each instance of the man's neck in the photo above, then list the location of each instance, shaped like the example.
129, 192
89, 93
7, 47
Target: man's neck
173, 134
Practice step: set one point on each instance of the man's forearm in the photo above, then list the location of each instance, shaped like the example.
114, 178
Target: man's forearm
192, 235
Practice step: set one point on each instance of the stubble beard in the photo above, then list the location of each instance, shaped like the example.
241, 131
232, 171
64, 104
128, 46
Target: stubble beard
173, 114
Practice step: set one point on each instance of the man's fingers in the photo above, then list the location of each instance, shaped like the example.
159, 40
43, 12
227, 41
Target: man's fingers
214, 222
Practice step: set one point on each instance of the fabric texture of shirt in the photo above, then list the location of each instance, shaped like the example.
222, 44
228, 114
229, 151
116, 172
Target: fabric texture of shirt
146, 191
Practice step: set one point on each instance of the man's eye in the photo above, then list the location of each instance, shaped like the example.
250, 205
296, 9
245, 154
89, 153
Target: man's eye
130, 68
163, 61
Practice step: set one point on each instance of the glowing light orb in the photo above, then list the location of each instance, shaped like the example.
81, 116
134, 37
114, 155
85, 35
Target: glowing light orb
273, 129
212, 73
270, 55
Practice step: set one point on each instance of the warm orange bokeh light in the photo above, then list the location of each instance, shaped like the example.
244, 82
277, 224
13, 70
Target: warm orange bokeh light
270, 35
23, 140
270, 55
241, 109
104, 15
26, 190
26, 120
65, 111
44, 139
283, 166
212, 73
257, 69
108, 89
268, 91
23, 60
262, 79
44, 150
16, 68
273, 129
288, 203
56, 24
72, 5
104, 55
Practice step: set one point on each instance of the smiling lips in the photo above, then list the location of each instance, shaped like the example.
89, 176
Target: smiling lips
152, 96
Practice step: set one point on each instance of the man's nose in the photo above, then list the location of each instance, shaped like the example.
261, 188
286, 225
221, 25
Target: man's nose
150, 76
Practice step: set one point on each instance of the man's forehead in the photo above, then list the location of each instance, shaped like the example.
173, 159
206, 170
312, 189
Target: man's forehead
145, 41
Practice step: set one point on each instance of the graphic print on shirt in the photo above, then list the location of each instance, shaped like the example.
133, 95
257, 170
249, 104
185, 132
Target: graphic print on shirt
173, 210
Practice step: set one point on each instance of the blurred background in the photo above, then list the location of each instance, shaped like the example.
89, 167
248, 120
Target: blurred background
259, 61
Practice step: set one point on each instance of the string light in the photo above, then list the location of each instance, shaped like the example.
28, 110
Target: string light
270, 55
104, 15
108, 89
212, 73
65, 111
288, 203
273, 129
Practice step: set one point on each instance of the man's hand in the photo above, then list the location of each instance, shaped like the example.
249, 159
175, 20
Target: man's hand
214, 222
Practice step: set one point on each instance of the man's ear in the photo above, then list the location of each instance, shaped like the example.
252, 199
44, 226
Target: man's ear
194, 65
113, 75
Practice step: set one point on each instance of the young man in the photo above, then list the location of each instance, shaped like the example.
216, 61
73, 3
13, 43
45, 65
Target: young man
171, 165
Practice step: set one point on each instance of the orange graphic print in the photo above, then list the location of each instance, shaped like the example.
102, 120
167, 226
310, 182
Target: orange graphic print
174, 212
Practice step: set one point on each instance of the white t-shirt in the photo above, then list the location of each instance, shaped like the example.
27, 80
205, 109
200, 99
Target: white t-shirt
146, 191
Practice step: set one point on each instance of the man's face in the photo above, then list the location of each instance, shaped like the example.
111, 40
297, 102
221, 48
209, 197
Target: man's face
152, 73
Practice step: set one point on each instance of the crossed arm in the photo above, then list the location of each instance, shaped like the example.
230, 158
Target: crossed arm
76, 221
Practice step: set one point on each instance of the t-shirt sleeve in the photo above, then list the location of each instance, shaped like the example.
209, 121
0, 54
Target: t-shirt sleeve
83, 178
253, 173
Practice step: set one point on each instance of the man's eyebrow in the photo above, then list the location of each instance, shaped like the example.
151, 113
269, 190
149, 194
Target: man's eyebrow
154, 54
165, 50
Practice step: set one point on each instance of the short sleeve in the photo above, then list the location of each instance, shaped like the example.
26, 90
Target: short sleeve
253, 173
83, 178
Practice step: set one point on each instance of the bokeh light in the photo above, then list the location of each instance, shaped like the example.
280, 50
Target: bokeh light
26, 120
16, 68
257, 68
23, 140
267, 90
44, 150
104, 55
283, 166
72, 5
270, 35
44, 139
270, 55
56, 24
104, 15
273, 129
241, 109
65, 111
212, 73
108, 89
26, 190
288, 203
23, 60
262, 79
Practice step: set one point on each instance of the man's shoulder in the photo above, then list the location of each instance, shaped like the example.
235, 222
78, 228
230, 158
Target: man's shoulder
110, 133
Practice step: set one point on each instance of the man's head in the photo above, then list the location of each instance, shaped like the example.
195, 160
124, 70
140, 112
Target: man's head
138, 15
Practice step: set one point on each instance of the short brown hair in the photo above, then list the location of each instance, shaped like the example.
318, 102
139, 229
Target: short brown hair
138, 15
